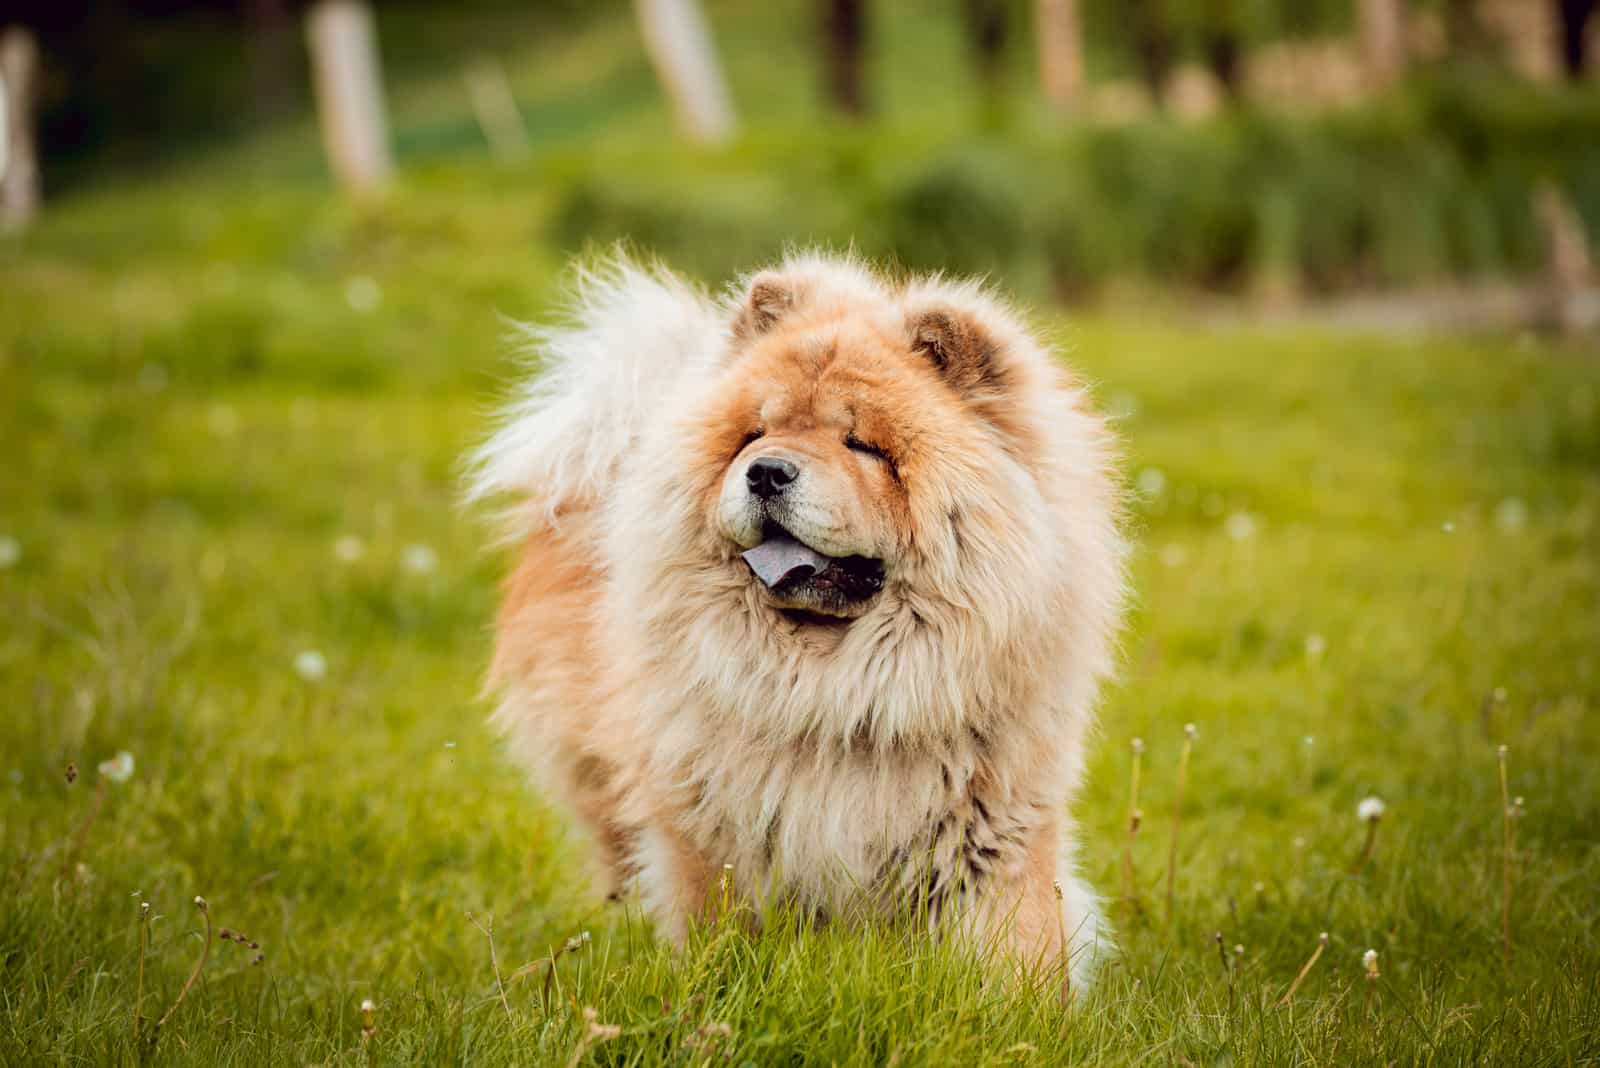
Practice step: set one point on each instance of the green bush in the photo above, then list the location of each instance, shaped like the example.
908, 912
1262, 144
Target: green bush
1433, 184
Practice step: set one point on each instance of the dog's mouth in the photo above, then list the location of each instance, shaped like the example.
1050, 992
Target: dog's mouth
810, 584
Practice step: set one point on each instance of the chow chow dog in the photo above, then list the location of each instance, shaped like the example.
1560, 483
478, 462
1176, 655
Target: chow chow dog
814, 588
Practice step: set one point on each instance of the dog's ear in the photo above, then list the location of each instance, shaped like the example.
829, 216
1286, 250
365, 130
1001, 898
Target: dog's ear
770, 297
958, 347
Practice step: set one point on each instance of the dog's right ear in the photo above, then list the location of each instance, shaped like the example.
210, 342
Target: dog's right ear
770, 297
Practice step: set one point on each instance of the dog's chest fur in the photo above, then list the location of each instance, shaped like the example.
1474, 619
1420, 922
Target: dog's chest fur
821, 824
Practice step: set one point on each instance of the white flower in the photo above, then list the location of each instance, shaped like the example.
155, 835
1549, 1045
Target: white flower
1511, 515
1138, 745
362, 293
368, 1006
1369, 960
311, 666
222, 420
348, 548
1370, 810
10, 551
1241, 526
1190, 731
419, 559
1152, 482
118, 769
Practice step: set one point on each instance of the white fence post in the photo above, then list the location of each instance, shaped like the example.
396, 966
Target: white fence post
1060, 34
19, 153
679, 43
349, 87
1381, 28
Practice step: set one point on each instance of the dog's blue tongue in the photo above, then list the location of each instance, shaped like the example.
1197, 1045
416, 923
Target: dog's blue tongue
782, 559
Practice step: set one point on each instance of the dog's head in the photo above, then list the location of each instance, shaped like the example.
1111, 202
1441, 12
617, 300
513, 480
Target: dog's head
864, 443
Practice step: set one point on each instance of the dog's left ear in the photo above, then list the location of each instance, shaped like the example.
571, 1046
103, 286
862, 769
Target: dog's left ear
959, 348
771, 296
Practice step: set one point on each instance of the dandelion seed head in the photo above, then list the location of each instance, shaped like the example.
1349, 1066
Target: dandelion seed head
1152, 482
363, 294
119, 769
1137, 745
1322, 939
419, 559
1371, 809
200, 903
1369, 960
367, 1006
1511, 515
311, 665
1315, 646
1190, 731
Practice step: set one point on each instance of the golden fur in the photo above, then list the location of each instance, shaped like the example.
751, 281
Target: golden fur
911, 746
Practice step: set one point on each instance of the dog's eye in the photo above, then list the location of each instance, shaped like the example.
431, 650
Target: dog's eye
755, 435
855, 444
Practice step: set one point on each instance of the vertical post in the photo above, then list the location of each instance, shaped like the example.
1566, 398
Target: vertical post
19, 154
844, 38
1381, 27
495, 106
679, 44
1060, 40
349, 88
1573, 17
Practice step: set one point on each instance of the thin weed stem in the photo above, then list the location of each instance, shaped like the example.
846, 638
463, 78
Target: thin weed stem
138, 990
1189, 733
1505, 867
1135, 816
1305, 970
199, 965
494, 960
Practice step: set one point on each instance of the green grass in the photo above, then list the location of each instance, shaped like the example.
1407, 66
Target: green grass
193, 413
1392, 545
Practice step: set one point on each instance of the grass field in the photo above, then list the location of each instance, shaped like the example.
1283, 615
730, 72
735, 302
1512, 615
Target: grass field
231, 416
232, 424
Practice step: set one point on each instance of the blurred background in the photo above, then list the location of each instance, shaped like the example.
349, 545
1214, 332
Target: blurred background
1327, 264
1335, 153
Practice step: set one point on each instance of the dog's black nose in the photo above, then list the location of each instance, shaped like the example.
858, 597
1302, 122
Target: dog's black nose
768, 475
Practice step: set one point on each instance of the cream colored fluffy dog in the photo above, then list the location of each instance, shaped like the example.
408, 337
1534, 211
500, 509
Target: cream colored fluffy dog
817, 583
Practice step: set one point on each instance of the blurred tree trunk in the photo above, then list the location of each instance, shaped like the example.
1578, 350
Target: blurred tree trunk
349, 88
1464, 31
1152, 42
19, 150
1381, 28
679, 44
986, 33
844, 41
1222, 44
1574, 16
1060, 36
268, 24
